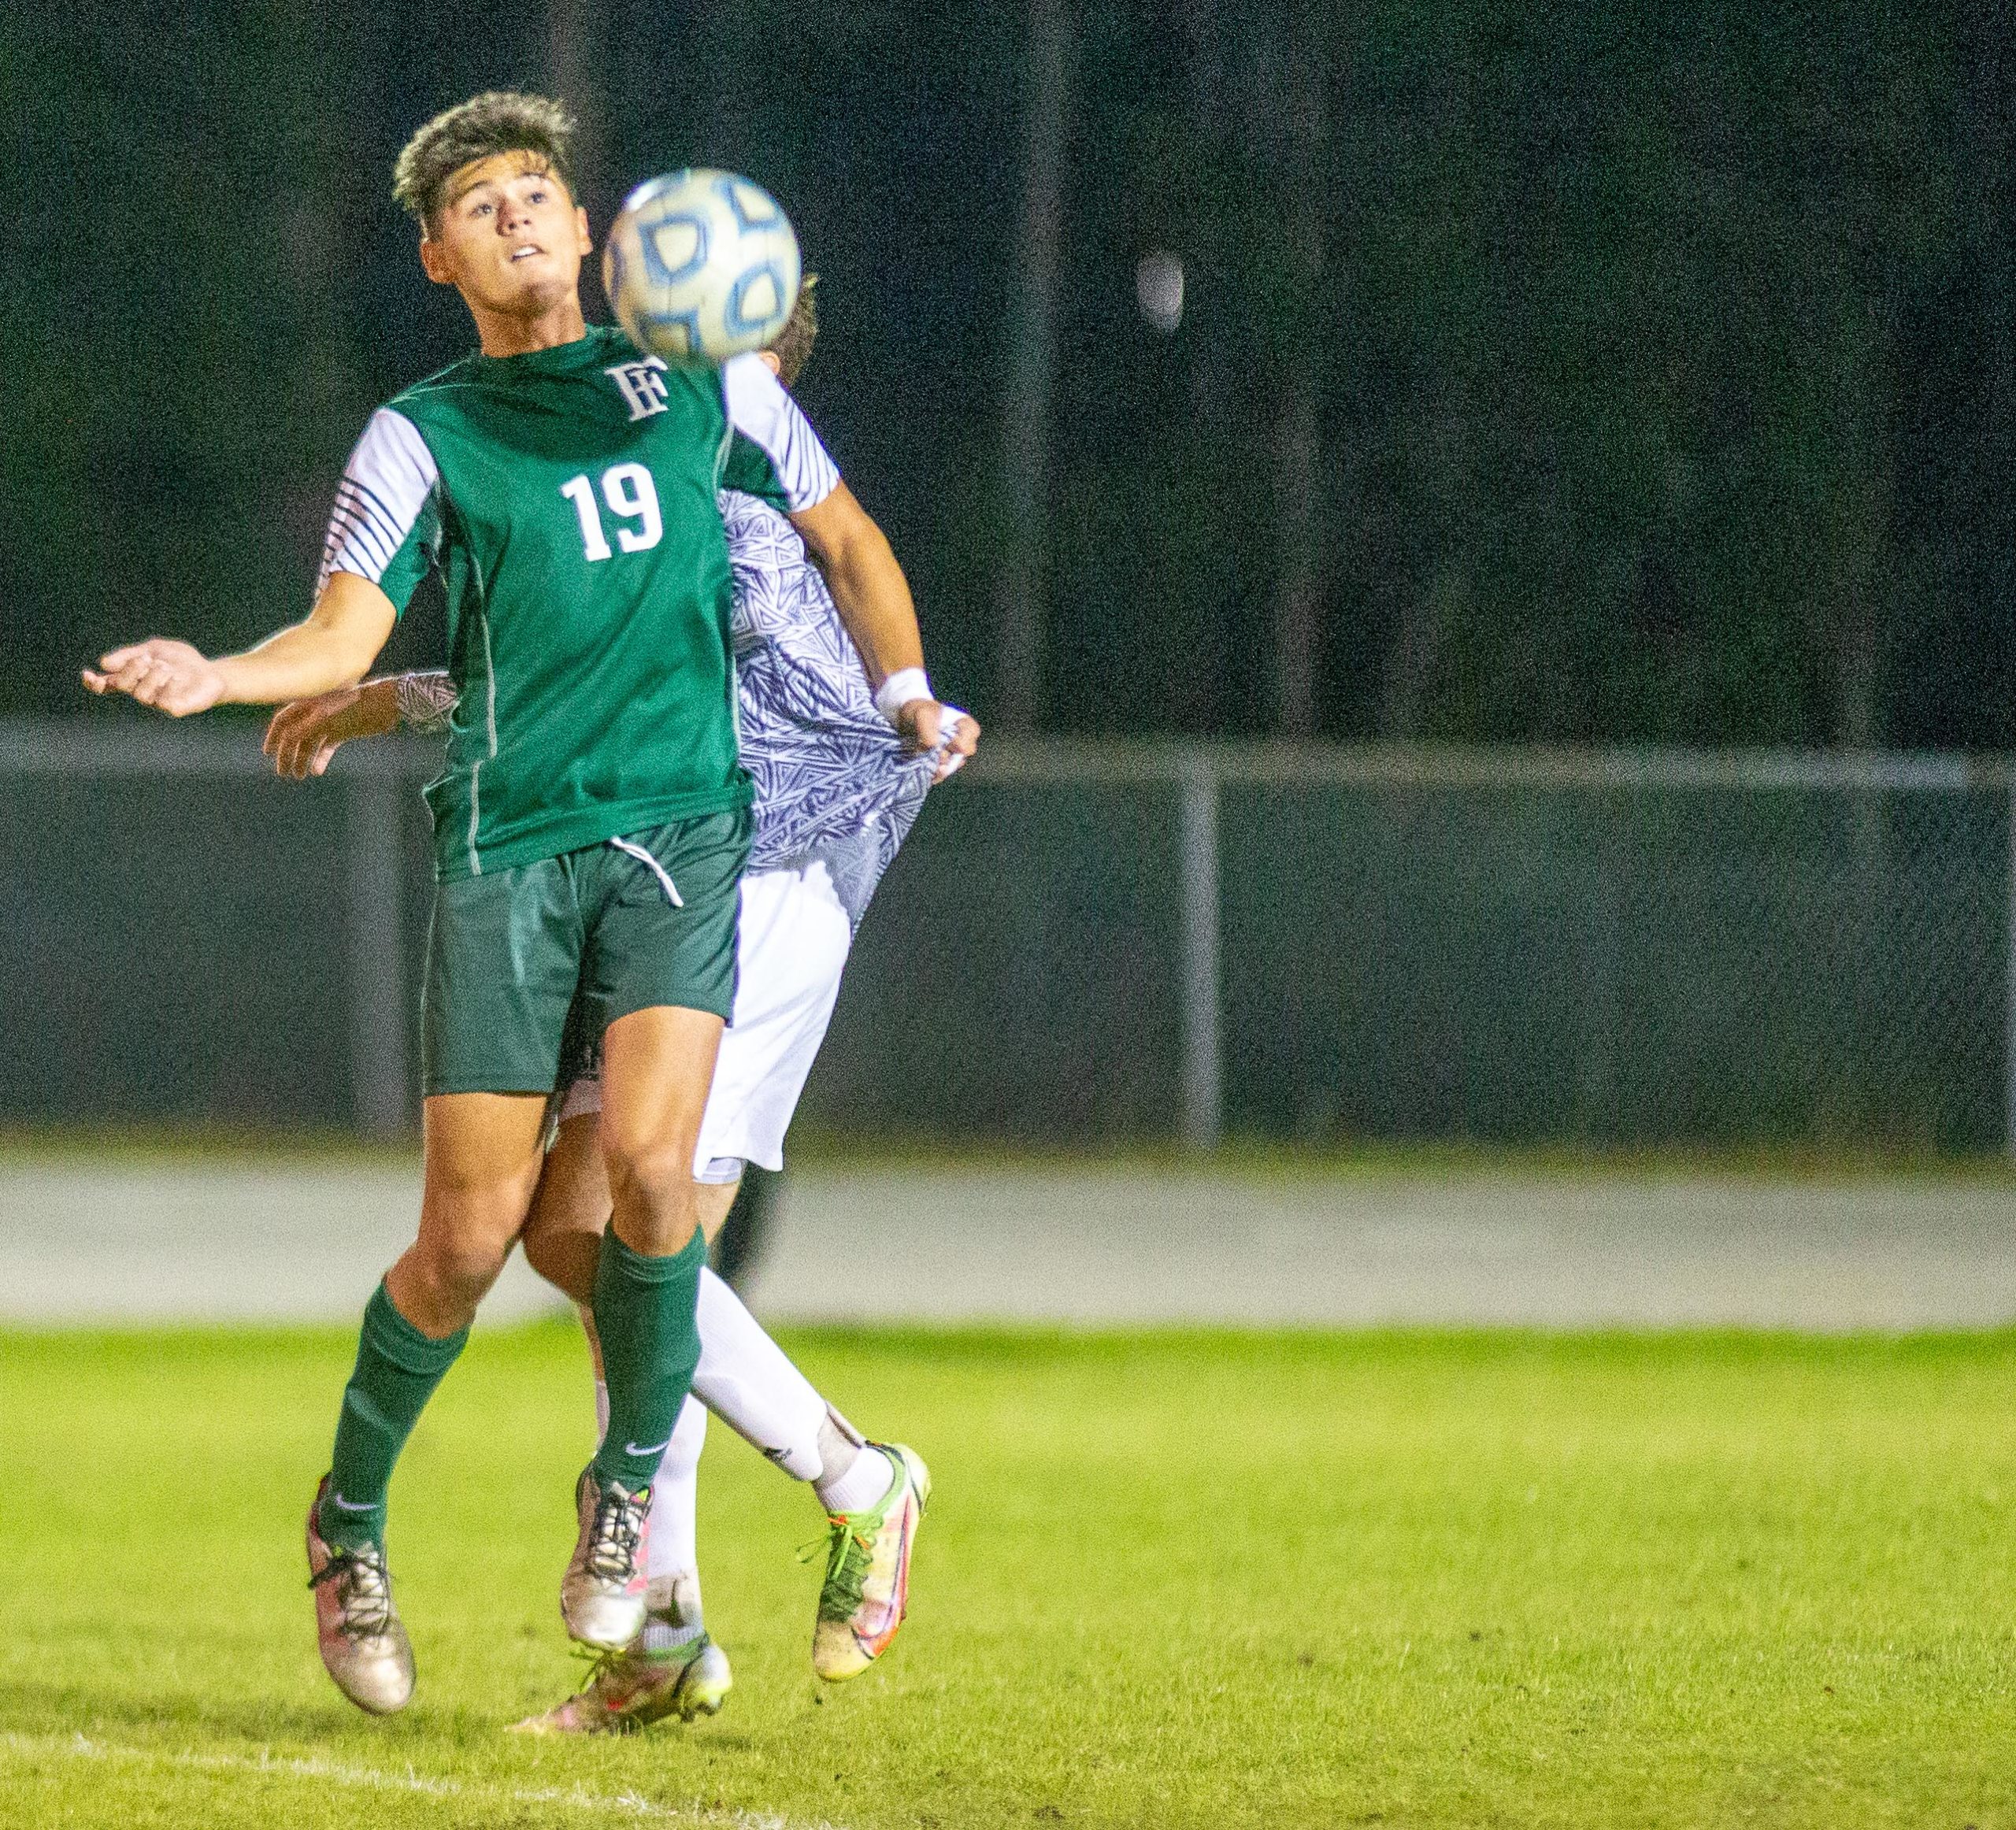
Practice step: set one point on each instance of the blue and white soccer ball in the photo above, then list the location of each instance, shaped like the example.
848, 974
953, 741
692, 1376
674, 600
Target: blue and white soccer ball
701, 265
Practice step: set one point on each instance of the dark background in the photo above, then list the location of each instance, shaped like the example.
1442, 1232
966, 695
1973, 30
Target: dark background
1546, 373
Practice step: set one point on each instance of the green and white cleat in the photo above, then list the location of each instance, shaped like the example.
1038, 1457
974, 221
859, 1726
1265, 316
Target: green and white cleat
631, 1689
363, 1643
866, 1592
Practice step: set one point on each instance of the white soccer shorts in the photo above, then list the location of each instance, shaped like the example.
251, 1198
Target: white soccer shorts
791, 950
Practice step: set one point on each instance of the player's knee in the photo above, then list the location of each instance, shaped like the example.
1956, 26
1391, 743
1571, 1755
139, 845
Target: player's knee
460, 1270
655, 1192
542, 1251
646, 1151
564, 1257
658, 1173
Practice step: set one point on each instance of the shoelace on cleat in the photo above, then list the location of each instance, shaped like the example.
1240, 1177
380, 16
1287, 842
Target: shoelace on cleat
850, 1552
600, 1665
364, 1591
603, 1668
613, 1683
614, 1535
630, 1658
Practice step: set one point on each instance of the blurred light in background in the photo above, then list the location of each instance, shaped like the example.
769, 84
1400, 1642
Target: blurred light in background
1158, 286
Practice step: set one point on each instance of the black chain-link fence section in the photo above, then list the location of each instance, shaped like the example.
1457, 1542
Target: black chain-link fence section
1649, 966
1668, 962
182, 948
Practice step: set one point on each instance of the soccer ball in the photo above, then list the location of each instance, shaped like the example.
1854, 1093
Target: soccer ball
701, 265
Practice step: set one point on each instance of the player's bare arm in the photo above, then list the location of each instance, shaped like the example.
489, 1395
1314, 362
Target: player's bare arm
873, 598
334, 647
303, 737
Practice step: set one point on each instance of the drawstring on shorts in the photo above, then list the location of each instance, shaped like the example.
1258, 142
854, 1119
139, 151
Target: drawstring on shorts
657, 869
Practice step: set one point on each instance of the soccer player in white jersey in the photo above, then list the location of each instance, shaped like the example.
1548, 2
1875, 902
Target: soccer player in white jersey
837, 790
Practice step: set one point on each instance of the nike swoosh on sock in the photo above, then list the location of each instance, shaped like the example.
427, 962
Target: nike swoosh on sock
631, 1448
352, 1506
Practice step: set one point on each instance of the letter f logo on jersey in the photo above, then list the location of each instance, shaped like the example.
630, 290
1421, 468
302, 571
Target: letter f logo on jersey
643, 383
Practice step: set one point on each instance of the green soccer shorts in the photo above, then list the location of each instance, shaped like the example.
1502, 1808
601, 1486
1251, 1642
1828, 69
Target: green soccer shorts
638, 922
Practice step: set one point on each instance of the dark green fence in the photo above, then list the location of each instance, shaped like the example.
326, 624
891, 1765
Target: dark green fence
1092, 945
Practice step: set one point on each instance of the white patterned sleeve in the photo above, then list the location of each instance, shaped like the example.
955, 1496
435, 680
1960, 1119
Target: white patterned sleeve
425, 700
386, 526
764, 413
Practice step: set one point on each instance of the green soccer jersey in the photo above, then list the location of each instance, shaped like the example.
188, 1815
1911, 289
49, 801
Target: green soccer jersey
567, 497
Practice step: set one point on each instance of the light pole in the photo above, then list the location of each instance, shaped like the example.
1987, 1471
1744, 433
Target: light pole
1030, 370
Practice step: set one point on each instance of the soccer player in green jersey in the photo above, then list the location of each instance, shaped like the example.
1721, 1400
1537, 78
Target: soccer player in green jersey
590, 825
836, 793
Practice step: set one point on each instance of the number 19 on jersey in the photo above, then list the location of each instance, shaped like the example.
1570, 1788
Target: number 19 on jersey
631, 497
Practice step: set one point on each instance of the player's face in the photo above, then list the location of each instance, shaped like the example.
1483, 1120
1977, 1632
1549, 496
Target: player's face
509, 238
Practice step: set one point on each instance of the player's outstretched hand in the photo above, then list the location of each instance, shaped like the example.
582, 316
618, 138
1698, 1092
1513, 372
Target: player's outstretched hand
301, 738
926, 724
171, 676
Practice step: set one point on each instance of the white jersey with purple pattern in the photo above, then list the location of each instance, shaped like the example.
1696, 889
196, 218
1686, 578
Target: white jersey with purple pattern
832, 777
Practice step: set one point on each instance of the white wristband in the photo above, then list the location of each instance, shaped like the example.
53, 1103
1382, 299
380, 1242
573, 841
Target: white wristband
899, 689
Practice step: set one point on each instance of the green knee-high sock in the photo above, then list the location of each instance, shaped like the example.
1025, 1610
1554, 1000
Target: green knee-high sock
398, 1367
651, 1343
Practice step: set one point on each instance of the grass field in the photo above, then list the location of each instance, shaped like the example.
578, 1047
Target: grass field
1168, 1580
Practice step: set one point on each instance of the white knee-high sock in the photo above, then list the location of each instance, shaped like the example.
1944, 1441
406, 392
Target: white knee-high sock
748, 1381
673, 1562
675, 1498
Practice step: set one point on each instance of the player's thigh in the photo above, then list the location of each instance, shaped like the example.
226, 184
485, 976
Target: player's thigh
482, 1160
572, 1207
574, 1184
656, 1067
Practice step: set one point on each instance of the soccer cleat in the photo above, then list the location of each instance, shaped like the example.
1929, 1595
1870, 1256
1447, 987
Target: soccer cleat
866, 1592
629, 1690
364, 1646
601, 1596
